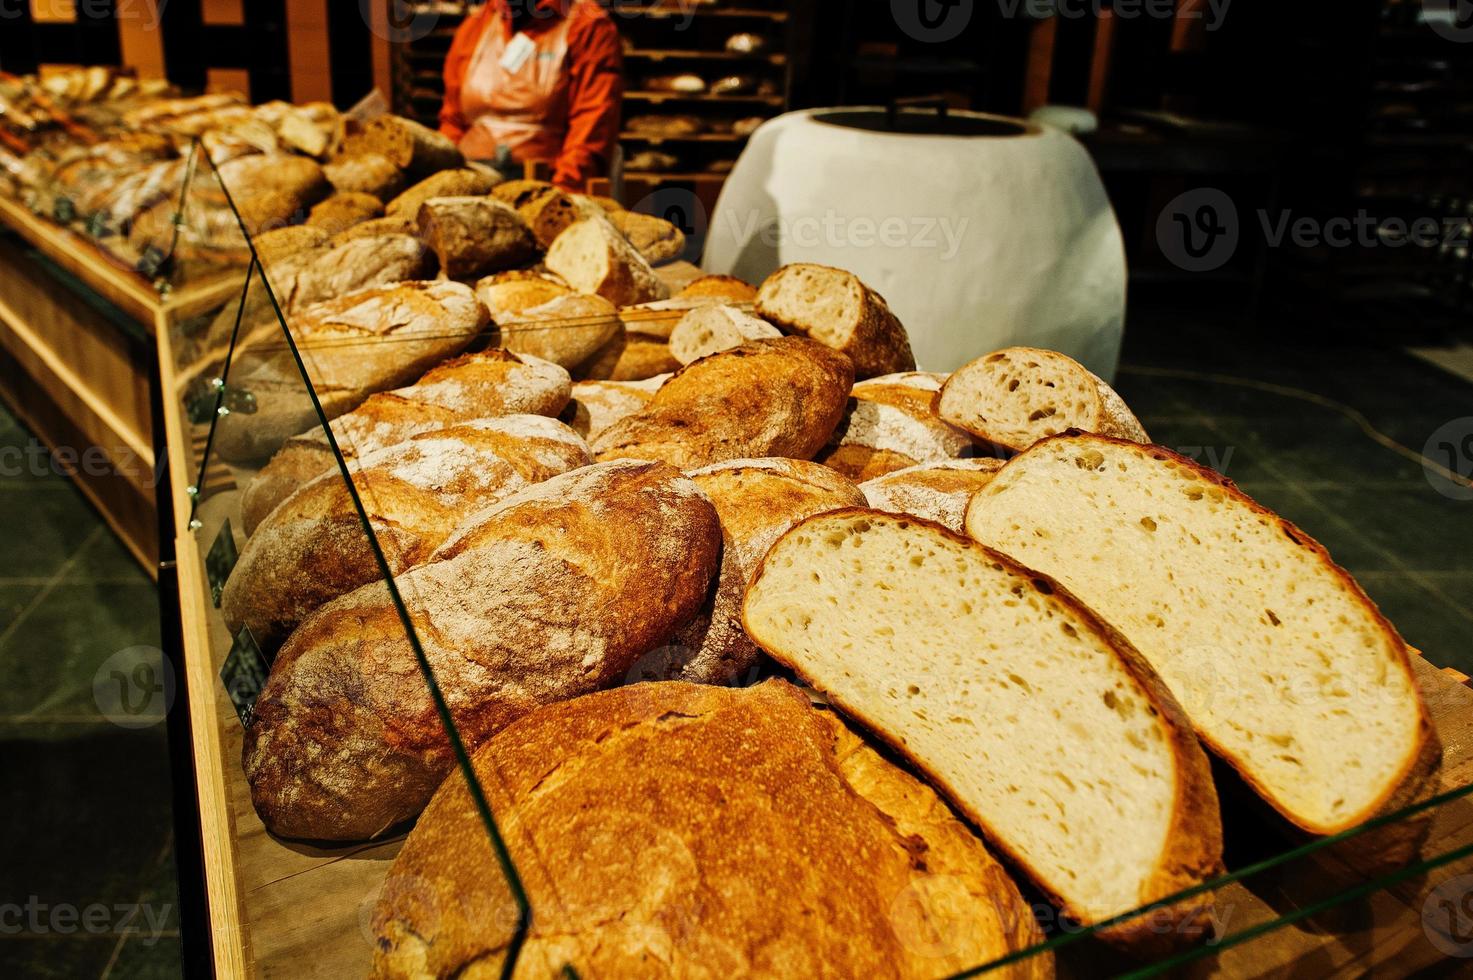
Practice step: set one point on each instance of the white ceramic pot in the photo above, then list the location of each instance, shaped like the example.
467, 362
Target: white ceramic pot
977, 241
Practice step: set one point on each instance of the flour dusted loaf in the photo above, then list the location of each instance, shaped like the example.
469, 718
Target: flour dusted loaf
1016, 396
1038, 721
756, 500
566, 330
596, 405
938, 491
708, 329
833, 307
889, 426
551, 593
485, 384
312, 547
593, 257
842, 863
517, 290
781, 397
367, 341
1288, 671
475, 235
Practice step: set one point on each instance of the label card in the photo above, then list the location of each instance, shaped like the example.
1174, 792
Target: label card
518, 50
220, 560
244, 673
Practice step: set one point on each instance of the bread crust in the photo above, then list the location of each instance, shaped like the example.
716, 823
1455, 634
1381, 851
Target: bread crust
553, 592
1193, 849
1416, 778
780, 397
876, 343
829, 859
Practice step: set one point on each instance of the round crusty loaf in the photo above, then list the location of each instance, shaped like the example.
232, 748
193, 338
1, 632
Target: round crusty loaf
629, 357
1014, 397
485, 384
518, 290
312, 547
658, 240
833, 307
475, 235
596, 405
660, 829
369, 173
344, 210
288, 243
728, 289
757, 500
708, 329
780, 397
553, 592
937, 491
446, 183
551, 210
366, 341
375, 228
566, 330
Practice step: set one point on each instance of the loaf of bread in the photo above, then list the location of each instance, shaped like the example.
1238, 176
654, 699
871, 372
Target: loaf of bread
1288, 671
351, 266
407, 144
708, 329
842, 864
363, 342
596, 405
290, 243
1038, 721
833, 307
485, 384
658, 240
567, 330
885, 429
668, 126
475, 235
915, 390
756, 500
462, 182
312, 547
368, 173
519, 192
729, 289
518, 290
938, 491
551, 210
1016, 396
344, 210
376, 228
593, 257
629, 357
657, 319
780, 397
551, 593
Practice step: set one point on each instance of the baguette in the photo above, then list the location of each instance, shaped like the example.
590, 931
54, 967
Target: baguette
551, 593
312, 547
781, 397
967, 662
938, 491
756, 500
1287, 669
843, 864
485, 384
835, 308
1016, 396
475, 235
708, 329
593, 257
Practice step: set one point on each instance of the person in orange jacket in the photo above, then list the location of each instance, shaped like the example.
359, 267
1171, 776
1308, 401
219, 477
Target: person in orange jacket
536, 79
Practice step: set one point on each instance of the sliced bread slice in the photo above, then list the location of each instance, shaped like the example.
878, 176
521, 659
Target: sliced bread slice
1284, 665
835, 308
1032, 715
593, 257
1016, 396
708, 329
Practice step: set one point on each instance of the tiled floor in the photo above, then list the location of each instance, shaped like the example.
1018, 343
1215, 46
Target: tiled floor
84, 803
87, 886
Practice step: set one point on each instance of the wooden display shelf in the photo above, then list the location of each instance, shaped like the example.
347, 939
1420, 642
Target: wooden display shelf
692, 138
707, 97
694, 54
665, 13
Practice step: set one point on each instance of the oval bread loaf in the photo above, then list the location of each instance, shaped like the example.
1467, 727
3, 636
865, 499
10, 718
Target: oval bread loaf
312, 547
779, 397
370, 173
475, 235
845, 865
516, 290
969, 664
553, 592
461, 182
596, 405
833, 307
729, 289
658, 240
566, 330
1016, 396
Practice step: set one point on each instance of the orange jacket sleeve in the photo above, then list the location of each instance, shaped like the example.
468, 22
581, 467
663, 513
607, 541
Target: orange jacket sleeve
457, 62
595, 90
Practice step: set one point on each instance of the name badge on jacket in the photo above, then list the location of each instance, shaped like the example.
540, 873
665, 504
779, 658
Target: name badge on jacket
518, 50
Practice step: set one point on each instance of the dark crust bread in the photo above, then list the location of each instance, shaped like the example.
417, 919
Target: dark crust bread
1193, 852
677, 829
779, 397
553, 592
1417, 779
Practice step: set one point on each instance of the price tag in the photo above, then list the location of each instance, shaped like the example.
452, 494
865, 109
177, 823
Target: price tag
518, 50
220, 561
244, 673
